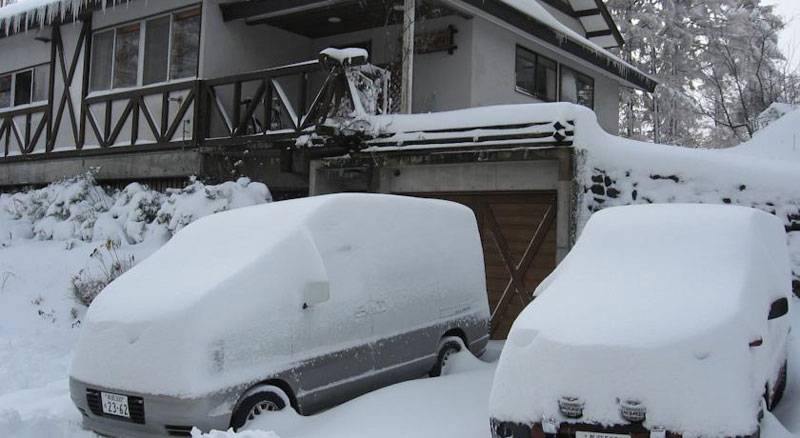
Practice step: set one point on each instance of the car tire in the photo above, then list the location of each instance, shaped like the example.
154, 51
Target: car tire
447, 347
254, 404
780, 387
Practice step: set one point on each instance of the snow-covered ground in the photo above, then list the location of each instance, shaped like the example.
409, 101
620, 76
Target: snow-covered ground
38, 330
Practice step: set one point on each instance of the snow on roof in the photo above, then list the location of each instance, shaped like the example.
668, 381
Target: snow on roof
535, 10
18, 16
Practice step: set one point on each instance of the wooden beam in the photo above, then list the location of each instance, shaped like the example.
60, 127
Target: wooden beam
587, 13
599, 33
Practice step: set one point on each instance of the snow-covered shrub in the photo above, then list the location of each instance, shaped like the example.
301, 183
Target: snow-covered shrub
108, 265
80, 209
186, 205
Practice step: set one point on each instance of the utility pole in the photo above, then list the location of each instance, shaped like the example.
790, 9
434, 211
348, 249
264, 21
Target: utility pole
406, 90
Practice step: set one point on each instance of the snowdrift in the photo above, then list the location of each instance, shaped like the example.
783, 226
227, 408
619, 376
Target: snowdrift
662, 302
221, 304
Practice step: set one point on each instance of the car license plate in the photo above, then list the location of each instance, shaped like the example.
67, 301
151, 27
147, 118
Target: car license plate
599, 435
115, 404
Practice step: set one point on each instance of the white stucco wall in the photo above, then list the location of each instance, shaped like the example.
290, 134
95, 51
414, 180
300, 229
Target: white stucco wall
22, 50
235, 47
494, 78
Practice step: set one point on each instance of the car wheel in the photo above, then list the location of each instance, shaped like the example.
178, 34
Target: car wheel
255, 405
780, 387
447, 348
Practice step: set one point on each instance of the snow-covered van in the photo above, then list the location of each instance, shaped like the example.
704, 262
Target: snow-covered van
305, 303
664, 320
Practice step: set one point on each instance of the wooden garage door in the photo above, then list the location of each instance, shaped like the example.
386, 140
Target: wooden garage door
518, 231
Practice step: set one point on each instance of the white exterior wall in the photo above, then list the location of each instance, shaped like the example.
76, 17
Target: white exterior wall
235, 47
20, 51
494, 77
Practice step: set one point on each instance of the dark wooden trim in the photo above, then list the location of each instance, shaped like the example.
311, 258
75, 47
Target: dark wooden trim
87, 63
179, 116
148, 117
144, 91
274, 72
610, 20
587, 13
599, 33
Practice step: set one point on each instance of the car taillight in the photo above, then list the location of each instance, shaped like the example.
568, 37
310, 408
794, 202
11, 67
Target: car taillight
633, 411
571, 407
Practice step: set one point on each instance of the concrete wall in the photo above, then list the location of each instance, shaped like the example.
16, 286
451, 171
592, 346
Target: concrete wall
494, 78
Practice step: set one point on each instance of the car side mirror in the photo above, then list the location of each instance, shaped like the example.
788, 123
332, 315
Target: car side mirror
316, 292
779, 308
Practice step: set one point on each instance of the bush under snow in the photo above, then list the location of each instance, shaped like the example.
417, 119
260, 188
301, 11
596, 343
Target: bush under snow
80, 209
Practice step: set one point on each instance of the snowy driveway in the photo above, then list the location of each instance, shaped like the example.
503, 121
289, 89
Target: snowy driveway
37, 334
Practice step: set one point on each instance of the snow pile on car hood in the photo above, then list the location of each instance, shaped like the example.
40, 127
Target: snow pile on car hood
655, 304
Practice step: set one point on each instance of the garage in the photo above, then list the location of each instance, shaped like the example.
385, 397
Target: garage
518, 232
523, 199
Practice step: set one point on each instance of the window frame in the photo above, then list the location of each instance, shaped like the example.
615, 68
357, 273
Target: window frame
578, 75
536, 56
13, 90
142, 22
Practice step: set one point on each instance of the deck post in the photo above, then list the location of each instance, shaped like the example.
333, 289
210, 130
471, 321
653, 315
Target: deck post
406, 91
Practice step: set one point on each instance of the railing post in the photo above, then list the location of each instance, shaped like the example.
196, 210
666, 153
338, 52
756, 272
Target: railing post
199, 128
237, 108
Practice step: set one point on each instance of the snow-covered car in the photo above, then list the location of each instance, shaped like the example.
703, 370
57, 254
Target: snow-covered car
306, 303
664, 320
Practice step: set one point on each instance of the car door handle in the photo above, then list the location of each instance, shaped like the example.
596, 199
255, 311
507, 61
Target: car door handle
757, 343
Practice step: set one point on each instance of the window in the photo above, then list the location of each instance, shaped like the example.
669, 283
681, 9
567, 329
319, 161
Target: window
24, 87
148, 52
5, 91
126, 57
185, 45
536, 75
577, 88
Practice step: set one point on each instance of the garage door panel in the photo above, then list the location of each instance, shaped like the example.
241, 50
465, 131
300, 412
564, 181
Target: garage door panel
512, 224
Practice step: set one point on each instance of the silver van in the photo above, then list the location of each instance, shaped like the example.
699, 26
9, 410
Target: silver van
302, 304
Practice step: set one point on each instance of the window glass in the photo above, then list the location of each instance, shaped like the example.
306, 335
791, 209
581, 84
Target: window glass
23, 87
577, 88
126, 56
5, 91
536, 75
185, 44
41, 83
526, 70
546, 79
102, 51
156, 50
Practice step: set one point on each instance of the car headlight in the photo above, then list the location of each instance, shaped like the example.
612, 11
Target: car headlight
571, 407
633, 411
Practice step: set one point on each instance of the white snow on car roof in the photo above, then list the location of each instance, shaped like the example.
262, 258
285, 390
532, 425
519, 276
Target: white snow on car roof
653, 274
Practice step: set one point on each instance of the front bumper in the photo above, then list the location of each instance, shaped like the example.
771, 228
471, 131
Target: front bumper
153, 415
569, 430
